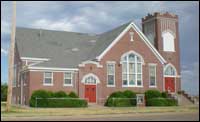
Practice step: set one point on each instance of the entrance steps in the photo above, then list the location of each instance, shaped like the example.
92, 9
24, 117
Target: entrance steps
183, 98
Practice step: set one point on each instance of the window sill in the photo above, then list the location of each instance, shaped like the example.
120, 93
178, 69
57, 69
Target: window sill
47, 84
152, 86
67, 85
110, 85
133, 86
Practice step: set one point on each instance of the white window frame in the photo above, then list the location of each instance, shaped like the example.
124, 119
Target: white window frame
46, 84
136, 73
131, 36
152, 86
165, 68
111, 63
167, 42
72, 74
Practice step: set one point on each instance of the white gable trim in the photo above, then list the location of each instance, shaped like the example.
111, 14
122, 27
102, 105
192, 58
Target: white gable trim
51, 69
144, 38
90, 62
35, 59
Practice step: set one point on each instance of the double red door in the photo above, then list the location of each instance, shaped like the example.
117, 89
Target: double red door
170, 84
90, 92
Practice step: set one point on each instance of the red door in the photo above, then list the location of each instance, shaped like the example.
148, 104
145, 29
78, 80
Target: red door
170, 84
90, 92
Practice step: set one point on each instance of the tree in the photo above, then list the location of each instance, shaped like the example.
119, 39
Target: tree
4, 89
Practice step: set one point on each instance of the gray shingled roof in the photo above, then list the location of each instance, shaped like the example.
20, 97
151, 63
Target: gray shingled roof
65, 49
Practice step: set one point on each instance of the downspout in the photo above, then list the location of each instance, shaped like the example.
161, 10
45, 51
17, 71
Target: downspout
78, 82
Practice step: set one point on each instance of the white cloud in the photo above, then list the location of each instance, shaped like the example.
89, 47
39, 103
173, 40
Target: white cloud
5, 27
190, 78
52, 25
76, 23
4, 51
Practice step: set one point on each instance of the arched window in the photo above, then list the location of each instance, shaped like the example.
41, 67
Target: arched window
170, 70
132, 69
168, 41
90, 79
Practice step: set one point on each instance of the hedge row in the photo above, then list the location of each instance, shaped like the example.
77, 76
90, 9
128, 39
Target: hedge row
62, 101
161, 102
121, 99
155, 98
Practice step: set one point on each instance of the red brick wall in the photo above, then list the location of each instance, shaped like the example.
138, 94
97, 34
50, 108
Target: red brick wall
123, 46
36, 82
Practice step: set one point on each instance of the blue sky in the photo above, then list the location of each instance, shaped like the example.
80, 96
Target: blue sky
98, 17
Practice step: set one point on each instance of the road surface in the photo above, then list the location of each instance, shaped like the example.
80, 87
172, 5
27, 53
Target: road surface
115, 117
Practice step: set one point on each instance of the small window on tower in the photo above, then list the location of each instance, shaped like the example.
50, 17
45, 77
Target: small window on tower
168, 41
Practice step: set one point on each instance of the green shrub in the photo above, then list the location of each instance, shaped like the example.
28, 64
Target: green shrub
164, 94
172, 102
129, 94
40, 94
161, 102
66, 103
149, 94
60, 94
64, 100
115, 100
118, 94
73, 95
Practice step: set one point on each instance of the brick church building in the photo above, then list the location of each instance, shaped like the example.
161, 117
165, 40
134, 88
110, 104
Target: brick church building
96, 65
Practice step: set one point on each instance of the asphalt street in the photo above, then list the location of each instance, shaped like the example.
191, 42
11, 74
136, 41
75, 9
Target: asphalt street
115, 117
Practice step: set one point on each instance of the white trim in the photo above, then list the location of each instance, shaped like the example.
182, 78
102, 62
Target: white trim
132, 86
72, 79
110, 63
90, 74
152, 86
166, 40
131, 35
37, 59
52, 69
127, 68
132, 51
90, 62
46, 84
144, 38
165, 67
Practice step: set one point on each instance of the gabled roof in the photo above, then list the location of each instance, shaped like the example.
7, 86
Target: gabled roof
64, 49
142, 36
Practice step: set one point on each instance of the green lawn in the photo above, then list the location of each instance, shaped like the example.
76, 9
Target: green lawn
26, 111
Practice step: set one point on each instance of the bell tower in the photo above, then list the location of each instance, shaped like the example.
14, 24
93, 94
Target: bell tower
162, 31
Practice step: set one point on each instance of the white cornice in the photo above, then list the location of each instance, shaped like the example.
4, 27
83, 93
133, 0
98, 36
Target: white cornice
35, 59
90, 62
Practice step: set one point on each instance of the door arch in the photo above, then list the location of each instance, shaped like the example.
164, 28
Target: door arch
170, 78
90, 82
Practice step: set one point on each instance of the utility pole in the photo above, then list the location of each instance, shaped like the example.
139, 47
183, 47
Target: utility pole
11, 58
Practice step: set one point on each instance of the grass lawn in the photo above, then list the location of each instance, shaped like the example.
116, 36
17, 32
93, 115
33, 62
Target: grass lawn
27, 112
